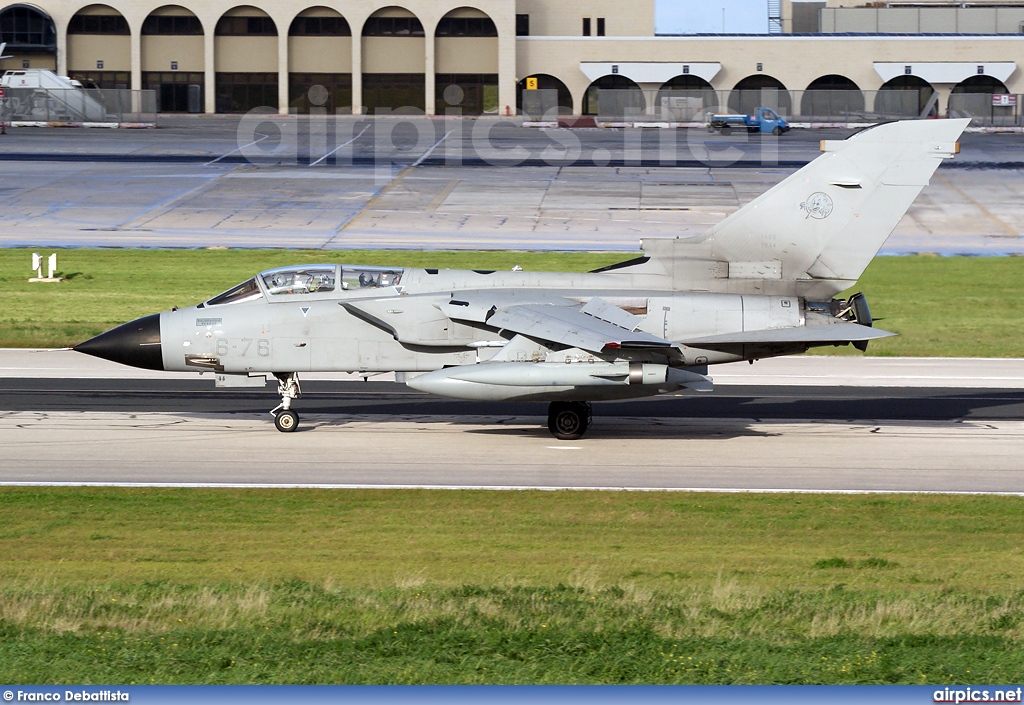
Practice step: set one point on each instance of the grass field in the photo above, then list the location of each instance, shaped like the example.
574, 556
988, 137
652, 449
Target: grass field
304, 586
950, 306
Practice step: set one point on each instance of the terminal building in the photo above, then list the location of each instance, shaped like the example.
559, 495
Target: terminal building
574, 57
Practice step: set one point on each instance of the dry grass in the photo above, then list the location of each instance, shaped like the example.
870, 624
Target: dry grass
403, 586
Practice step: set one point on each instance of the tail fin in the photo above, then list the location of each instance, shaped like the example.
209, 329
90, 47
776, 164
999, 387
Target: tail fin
828, 220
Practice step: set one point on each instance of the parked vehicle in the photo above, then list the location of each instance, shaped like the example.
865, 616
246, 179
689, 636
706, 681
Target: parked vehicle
763, 120
40, 94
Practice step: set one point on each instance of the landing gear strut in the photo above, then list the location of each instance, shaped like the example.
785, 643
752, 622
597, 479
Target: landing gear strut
285, 419
569, 420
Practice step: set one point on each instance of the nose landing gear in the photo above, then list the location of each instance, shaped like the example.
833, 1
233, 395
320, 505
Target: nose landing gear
286, 420
569, 420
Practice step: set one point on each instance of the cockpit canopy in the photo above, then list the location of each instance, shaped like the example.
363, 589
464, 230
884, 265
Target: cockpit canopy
310, 279
300, 280
370, 277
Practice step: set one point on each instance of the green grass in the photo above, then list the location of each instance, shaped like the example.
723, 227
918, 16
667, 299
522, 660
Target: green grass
948, 306
945, 306
305, 586
105, 288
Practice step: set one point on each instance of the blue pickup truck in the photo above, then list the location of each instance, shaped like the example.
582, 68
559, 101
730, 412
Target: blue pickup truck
763, 120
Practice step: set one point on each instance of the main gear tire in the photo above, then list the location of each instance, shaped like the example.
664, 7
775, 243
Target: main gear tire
286, 421
568, 421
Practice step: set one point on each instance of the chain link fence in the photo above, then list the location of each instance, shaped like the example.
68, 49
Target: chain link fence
817, 106
93, 105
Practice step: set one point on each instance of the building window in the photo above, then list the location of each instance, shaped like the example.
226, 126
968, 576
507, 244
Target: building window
241, 92
177, 25
336, 88
386, 92
478, 93
393, 27
24, 28
600, 26
102, 79
466, 27
320, 27
246, 26
523, 26
98, 24
586, 26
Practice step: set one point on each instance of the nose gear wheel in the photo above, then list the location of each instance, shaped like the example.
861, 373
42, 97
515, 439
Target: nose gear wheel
286, 420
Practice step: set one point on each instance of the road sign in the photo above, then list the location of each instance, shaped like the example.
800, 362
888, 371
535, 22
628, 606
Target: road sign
531, 83
1000, 99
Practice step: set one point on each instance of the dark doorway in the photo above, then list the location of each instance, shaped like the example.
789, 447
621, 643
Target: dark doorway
176, 91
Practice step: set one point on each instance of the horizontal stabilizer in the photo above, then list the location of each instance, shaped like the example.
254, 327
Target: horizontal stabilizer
824, 334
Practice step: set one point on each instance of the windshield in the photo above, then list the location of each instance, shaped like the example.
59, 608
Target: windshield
370, 277
313, 279
246, 291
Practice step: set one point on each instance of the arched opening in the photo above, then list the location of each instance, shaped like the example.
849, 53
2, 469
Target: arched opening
760, 91
613, 98
99, 48
394, 62
30, 36
972, 97
549, 98
832, 96
466, 62
684, 98
172, 59
906, 96
320, 61
981, 84
245, 54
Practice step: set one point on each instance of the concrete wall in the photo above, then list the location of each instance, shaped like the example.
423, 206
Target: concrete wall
84, 50
467, 54
796, 61
245, 54
915, 20
158, 52
564, 18
393, 54
320, 54
805, 17
35, 61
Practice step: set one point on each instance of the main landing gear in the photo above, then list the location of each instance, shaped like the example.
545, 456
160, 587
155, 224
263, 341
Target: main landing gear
285, 419
569, 420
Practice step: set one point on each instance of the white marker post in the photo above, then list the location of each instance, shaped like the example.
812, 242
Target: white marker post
51, 267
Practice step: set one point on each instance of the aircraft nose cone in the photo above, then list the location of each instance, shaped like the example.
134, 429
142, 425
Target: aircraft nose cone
136, 344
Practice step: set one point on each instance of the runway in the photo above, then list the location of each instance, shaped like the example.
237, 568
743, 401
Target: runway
757, 432
503, 452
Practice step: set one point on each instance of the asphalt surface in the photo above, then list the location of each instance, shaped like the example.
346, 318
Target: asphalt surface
762, 402
743, 437
300, 142
448, 184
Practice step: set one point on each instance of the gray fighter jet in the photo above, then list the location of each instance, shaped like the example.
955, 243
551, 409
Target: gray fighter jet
761, 283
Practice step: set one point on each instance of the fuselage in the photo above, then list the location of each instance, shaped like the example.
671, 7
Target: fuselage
397, 325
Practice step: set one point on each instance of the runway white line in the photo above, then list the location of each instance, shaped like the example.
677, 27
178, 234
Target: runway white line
490, 488
236, 150
426, 155
333, 151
